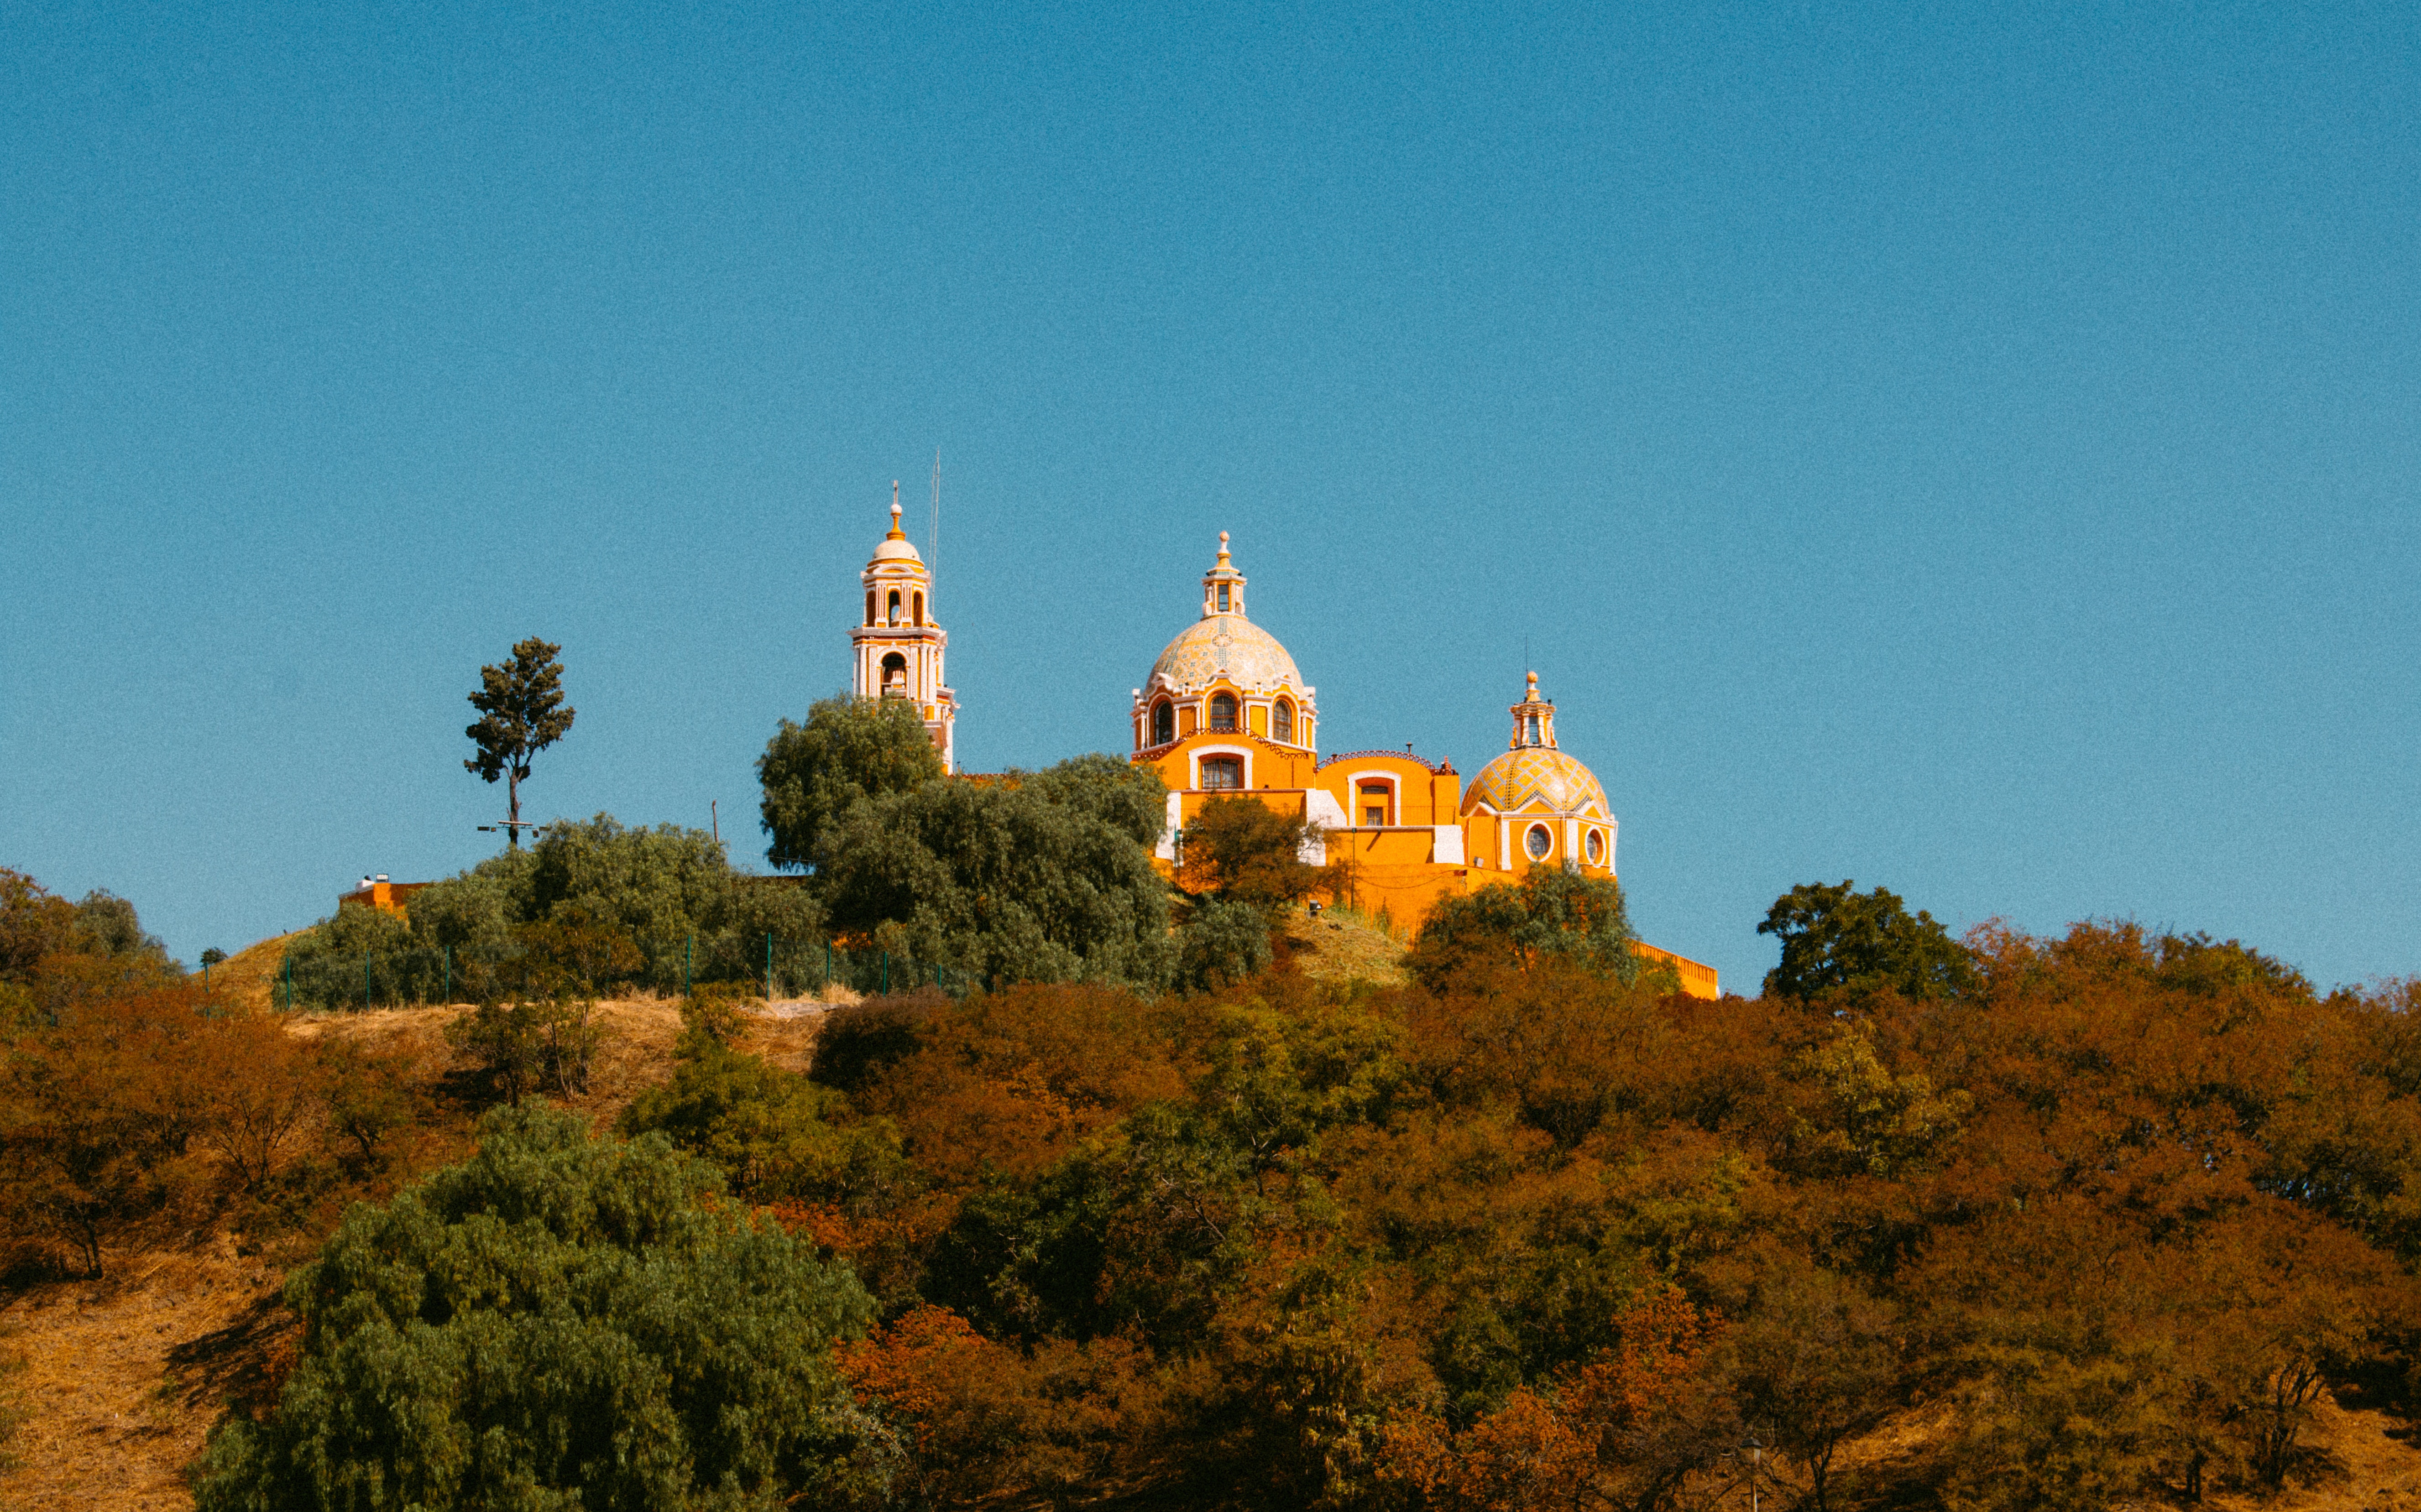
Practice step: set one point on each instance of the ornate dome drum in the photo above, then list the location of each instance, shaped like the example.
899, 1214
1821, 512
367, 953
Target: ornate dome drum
1224, 674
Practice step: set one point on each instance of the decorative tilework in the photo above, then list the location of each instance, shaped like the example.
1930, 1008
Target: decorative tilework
1226, 646
1537, 779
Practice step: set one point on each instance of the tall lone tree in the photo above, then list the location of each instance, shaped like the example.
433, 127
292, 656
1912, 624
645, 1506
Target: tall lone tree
522, 712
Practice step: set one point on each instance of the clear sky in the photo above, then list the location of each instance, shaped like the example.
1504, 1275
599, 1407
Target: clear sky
1967, 449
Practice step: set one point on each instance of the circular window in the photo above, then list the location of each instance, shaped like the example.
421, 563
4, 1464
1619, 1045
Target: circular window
1538, 842
1597, 848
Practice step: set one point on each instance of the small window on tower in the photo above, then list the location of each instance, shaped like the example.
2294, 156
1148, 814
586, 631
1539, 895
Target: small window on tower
894, 606
1222, 712
1223, 598
1530, 729
894, 675
1282, 723
869, 606
1164, 723
1538, 842
919, 616
1597, 848
1224, 772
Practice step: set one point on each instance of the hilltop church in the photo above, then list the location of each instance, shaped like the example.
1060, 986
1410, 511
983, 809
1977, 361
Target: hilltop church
1225, 711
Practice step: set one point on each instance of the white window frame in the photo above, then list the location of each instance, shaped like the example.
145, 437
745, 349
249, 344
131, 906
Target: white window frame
1194, 761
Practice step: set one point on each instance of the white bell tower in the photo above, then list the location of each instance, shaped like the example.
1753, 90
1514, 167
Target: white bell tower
898, 646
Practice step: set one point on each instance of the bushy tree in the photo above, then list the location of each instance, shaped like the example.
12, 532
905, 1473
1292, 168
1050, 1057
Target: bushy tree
1249, 852
1002, 881
586, 889
773, 1133
849, 749
558, 1322
1555, 911
1834, 937
1223, 943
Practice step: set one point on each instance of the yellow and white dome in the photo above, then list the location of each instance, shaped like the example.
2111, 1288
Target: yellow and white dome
1537, 779
1533, 776
1226, 647
1223, 675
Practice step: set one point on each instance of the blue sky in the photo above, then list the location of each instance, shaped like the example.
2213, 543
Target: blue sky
1971, 449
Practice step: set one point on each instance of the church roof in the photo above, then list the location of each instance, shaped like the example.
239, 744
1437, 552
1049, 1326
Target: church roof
1537, 779
1229, 646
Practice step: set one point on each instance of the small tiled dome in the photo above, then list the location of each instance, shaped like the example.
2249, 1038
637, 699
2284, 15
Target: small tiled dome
1537, 779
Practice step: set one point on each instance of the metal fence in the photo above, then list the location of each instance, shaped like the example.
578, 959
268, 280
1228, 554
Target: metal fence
424, 975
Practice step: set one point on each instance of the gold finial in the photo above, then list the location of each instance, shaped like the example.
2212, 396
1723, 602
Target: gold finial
895, 513
1223, 550
1534, 687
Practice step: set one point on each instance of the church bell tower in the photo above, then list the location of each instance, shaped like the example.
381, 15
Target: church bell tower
897, 645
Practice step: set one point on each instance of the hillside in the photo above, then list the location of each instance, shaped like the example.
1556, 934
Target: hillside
2111, 1216
124, 1376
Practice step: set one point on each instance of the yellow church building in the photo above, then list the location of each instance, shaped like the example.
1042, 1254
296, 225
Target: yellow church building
1226, 712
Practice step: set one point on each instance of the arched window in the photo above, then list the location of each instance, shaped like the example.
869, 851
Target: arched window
1282, 723
869, 606
1597, 848
1224, 772
919, 616
1538, 842
894, 675
1164, 723
893, 606
1222, 712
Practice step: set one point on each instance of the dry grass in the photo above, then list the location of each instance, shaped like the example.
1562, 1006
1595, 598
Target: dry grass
125, 1376
248, 978
1339, 947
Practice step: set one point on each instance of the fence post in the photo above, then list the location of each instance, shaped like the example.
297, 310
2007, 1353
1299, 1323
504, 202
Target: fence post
447, 993
769, 967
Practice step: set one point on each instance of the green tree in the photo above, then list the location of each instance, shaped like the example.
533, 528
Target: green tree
1002, 882
558, 1322
771, 1133
1126, 797
1556, 910
1248, 852
1223, 943
1835, 936
849, 749
522, 712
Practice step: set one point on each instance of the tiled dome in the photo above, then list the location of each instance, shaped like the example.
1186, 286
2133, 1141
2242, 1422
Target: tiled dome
1231, 646
1537, 779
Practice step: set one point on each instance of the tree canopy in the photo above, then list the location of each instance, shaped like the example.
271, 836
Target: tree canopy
558, 1322
1554, 912
1017, 880
849, 749
1835, 937
522, 712
1248, 853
